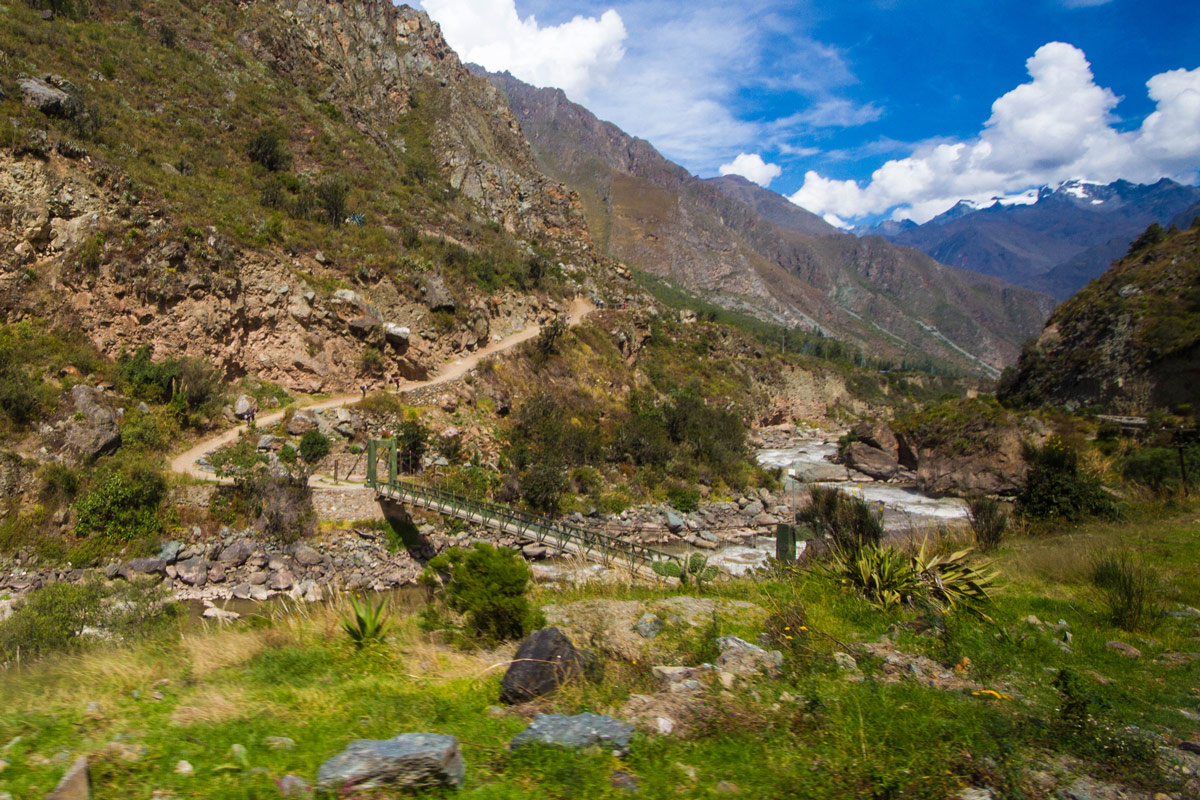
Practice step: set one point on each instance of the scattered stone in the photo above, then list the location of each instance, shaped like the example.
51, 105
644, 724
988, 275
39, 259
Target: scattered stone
193, 571
845, 662
664, 725
541, 664
301, 422
279, 742
581, 730
975, 793
143, 566
305, 556
245, 406
170, 552
47, 98
742, 658
293, 786
649, 626
674, 523
1190, 747
220, 614
623, 781
727, 679
396, 335
1124, 649
238, 751
726, 787
281, 581
670, 675
184, 768
410, 760
76, 784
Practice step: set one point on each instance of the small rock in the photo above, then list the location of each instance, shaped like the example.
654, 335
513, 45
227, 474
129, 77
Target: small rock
578, 731
725, 787
279, 742
281, 581
410, 760
1191, 747
727, 679
845, 662
184, 768
543, 661
294, 786
94, 710
975, 793
238, 751
649, 626
624, 782
76, 784
1124, 649
664, 725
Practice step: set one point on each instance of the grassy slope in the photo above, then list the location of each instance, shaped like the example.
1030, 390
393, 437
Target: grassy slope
295, 675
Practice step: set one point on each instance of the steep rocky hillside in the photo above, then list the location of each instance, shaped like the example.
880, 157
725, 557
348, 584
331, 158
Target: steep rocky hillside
747, 248
315, 192
1128, 342
1055, 240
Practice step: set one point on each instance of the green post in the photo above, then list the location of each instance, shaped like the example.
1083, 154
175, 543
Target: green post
785, 543
372, 452
393, 473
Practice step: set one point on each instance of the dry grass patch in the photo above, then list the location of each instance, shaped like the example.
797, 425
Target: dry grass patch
212, 651
211, 704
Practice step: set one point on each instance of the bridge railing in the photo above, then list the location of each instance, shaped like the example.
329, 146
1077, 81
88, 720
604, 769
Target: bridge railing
561, 535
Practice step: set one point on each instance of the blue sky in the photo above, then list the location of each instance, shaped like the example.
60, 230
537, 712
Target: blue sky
863, 109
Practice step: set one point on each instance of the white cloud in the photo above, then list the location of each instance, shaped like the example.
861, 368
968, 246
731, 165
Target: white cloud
834, 112
575, 56
1084, 3
752, 167
1057, 126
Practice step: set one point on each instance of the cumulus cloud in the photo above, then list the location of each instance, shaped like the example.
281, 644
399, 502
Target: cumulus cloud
1059, 125
575, 56
752, 167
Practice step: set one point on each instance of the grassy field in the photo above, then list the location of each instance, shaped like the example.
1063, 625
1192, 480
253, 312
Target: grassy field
816, 731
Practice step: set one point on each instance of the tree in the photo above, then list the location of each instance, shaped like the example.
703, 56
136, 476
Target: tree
314, 446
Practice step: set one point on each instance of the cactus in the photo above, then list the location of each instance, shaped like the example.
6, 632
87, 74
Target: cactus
694, 568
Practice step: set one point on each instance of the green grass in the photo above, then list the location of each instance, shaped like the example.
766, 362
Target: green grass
296, 674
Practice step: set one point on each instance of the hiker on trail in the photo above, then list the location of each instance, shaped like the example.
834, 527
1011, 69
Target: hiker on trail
364, 390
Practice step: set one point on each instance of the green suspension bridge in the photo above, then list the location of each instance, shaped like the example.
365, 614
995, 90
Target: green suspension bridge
562, 536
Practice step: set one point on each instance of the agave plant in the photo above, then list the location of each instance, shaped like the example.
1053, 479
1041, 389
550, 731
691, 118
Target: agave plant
366, 623
694, 569
951, 583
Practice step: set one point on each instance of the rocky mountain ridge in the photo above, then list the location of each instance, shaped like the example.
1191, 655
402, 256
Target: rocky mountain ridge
1051, 239
748, 248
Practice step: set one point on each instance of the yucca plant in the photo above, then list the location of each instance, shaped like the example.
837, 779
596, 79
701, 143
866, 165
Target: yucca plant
366, 623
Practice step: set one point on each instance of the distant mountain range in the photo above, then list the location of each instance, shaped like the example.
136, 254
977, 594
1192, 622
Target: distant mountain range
750, 249
1053, 239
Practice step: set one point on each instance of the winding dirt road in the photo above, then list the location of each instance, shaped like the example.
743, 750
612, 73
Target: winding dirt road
185, 462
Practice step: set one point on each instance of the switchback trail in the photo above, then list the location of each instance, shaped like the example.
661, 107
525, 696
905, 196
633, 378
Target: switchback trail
185, 462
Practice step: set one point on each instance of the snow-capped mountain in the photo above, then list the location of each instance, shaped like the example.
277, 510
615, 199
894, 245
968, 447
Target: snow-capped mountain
1054, 238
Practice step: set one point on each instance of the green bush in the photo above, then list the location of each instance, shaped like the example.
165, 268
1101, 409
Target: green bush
1056, 487
266, 148
684, 498
989, 520
331, 196
850, 521
1127, 587
1158, 467
281, 505
314, 446
122, 504
542, 487
487, 585
412, 440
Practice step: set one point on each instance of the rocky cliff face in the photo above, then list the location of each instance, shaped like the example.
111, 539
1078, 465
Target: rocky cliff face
746, 248
1128, 342
130, 209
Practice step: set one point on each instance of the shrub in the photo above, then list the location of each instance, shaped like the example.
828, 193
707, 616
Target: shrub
1081, 729
542, 487
412, 440
331, 198
487, 586
371, 362
281, 504
989, 520
365, 624
1126, 586
1158, 467
266, 148
1057, 488
850, 521
684, 498
314, 446
122, 504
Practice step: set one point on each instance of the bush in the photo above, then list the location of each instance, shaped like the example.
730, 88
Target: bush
1126, 586
412, 440
989, 520
314, 446
886, 577
542, 487
282, 505
487, 586
684, 498
850, 521
1056, 487
331, 197
1157, 468
267, 149
122, 504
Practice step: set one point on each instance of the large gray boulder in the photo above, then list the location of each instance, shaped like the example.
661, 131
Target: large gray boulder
409, 761
244, 406
437, 294
879, 464
97, 431
545, 660
582, 730
396, 335
48, 95
301, 422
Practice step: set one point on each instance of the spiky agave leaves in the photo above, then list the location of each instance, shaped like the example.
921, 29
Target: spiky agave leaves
365, 623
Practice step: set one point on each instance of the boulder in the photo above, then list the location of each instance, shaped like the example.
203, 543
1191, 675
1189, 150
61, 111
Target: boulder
51, 100
363, 326
437, 294
237, 552
742, 658
305, 556
674, 522
542, 663
582, 730
143, 566
97, 432
396, 335
76, 784
409, 761
999, 468
281, 581
244, 406
170, 551
878, 435
301, 422
879, 464
193, 571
